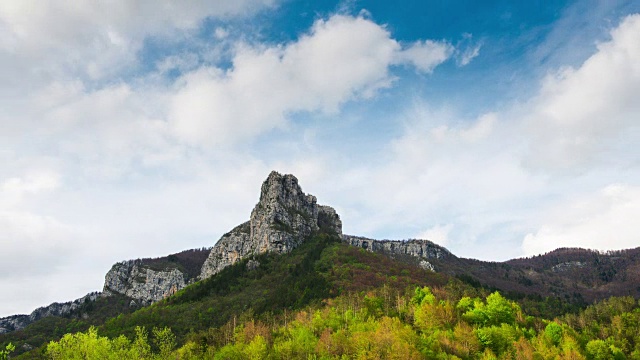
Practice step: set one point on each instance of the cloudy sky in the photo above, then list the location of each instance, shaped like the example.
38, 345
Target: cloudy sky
136, 128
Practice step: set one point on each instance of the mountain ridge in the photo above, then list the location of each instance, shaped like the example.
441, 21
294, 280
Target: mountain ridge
285, 216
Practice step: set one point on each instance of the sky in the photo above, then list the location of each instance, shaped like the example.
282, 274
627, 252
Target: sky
133, 129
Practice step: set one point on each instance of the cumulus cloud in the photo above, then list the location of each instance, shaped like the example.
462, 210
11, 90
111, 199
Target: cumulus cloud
492, 177
605, 220
96, 38
425, 55
581, 112
341, 59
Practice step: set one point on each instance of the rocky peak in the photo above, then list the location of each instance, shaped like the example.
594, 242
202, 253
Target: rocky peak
284, 216
281, 220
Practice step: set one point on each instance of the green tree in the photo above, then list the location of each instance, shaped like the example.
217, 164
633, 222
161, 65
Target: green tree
598, 350
4, 354
257, 349
423, 295
553, 333
165, 340
497, 338
500, 310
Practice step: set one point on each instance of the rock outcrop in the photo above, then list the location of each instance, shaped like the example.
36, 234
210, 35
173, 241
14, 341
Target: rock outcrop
17, 322
133, 279
422, 250
282, 219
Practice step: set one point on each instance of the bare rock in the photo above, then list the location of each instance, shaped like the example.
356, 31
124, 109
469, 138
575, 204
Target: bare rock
425, 265
421, 249
283, 218
252, 264
17, 322
136, 281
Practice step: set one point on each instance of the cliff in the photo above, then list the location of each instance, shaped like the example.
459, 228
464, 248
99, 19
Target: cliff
132, 279
149, 280
281, 220
17, 322
419, 250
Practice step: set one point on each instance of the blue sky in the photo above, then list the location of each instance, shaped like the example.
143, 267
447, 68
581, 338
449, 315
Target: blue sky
497, 129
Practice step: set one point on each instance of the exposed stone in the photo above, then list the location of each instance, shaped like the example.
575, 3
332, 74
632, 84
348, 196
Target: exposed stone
425, 265
231, 247
132, 279
17, 322
279, 223
424, 249
421, 249
568, 265
252, 264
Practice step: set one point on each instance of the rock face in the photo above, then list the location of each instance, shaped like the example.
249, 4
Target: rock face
133, 279
568, 265
17, 322
420, 249
279, 223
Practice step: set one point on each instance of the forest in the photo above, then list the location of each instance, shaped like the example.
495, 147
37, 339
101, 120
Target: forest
326, 300
381, 324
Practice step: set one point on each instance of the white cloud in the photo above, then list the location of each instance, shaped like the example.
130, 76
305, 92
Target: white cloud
606, 220
466, 49
477, 175
580, 113
339, 60
37, 27
32, 244
32, 183
439, 234
425, 55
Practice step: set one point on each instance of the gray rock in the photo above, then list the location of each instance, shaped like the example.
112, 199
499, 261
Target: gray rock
283, 218
17, 322
567, 266
136, 281
425, 265
421, 249
252, 264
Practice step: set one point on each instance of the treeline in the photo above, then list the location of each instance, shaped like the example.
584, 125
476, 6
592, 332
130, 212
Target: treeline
383, 324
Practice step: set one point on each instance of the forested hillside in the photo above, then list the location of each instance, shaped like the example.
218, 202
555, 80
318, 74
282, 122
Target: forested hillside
381, 324
329, 300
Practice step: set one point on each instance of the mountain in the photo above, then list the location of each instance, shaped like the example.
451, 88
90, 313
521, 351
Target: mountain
292, 253
283, 218
576, 275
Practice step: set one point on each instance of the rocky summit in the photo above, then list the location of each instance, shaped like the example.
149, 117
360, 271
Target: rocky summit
281, 220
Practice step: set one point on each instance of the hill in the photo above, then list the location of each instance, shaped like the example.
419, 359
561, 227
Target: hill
291, 255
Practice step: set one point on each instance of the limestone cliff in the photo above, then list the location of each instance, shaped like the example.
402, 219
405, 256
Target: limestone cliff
282, 219
149, 280
421, 250
17, 322
133, 279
